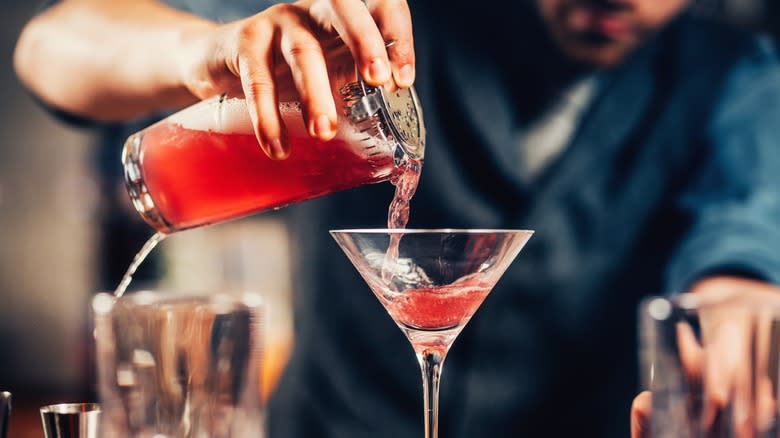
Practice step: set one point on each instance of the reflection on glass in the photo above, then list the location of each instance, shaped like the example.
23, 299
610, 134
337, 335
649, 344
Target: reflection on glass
179, 366
712, 364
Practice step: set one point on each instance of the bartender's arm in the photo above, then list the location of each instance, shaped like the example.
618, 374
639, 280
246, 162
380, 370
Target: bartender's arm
116, 60
731, 247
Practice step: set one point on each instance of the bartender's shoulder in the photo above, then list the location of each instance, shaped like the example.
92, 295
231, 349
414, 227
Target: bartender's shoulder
723, 41
746, 67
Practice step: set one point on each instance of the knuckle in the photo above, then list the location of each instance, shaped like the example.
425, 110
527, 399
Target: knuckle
246, 33
258, 27
260, 87
402, 51
342, 4
282, 9
393, 4
369, 48
395, 12
302, 46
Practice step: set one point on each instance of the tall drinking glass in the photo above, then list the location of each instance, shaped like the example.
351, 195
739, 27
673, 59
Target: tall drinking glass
179, 366
712, 365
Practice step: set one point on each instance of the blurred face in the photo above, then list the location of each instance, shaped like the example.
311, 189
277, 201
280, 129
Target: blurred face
604, 32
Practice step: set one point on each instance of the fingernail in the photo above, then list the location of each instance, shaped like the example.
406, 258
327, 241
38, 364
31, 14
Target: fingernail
278, 151
323, 127
378, 71
405, 77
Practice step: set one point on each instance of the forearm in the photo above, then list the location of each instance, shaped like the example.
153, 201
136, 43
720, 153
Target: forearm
109, 60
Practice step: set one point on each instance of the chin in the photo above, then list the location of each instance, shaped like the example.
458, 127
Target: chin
600, 56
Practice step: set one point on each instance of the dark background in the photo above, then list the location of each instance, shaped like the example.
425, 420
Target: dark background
50, 207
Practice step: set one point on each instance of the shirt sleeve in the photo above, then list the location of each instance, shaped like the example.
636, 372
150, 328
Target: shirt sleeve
734, 202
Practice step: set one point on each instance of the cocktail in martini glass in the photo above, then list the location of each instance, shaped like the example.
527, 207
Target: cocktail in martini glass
431, 282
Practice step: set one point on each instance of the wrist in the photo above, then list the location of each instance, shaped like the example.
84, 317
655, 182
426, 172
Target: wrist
198, 48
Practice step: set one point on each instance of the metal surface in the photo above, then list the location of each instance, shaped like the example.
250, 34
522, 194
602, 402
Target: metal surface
5, 412
71, 420
397, 115
403, 114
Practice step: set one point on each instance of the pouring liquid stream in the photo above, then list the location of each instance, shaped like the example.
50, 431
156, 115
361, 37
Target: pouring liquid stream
137, 260
398, 212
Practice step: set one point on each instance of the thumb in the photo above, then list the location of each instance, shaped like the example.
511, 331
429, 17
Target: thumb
640, 415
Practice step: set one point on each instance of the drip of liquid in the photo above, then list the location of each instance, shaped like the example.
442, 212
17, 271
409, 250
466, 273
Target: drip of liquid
137, 260
398, 213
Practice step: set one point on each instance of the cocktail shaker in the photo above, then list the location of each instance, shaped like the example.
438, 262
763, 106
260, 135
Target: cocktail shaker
203, 164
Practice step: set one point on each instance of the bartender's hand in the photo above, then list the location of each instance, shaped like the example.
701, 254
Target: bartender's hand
120, 59
249, 51
729, 378
640, 415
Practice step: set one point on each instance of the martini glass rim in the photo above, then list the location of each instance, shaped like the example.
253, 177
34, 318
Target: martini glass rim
430, 231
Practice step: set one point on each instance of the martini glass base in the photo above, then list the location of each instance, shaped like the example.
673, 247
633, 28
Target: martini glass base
431, 348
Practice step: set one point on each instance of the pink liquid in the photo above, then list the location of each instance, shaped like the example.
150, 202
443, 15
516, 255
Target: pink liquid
200, 177
398, 212
405, 187
438, 308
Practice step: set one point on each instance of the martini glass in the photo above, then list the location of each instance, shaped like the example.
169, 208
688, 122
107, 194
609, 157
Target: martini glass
431, 282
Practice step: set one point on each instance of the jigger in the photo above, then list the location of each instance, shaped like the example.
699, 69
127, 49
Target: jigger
5, 412
71, 420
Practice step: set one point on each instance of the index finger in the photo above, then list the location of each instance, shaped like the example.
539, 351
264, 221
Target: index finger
357, 28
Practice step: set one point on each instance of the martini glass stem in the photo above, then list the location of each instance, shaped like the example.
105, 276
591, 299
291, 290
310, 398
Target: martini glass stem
431, 362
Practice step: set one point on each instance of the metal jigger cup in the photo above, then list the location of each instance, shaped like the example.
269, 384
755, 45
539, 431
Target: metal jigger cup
71, 420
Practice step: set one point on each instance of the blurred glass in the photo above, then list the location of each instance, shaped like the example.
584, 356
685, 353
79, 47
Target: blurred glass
179, 365
711, 364
234, 256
